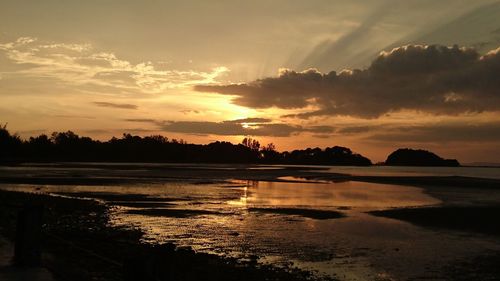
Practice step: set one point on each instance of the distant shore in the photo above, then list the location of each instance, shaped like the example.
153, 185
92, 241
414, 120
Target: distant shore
97, 173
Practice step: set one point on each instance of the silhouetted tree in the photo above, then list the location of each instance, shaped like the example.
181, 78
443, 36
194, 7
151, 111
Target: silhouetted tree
336, 155
10, 145
251, 143
40, 147
270, 155
417, 157
68, 146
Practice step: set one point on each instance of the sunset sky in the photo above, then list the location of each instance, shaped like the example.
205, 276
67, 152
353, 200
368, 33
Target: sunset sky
373, 76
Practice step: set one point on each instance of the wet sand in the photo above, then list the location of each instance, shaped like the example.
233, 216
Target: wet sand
306, 213
125, 173
80, 244
468, 220
175, 213
480, 219
466, 205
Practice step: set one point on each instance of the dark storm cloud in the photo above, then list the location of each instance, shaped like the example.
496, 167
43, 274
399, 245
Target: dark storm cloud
258, 127
433, 79
116, 105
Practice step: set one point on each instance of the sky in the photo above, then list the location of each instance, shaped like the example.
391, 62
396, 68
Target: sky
370, 75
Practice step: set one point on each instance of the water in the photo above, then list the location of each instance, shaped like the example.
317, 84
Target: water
227, 218
470, 171
476, 172
356, 247
350, 194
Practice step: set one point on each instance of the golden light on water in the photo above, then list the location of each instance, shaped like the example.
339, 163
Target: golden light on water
342, 194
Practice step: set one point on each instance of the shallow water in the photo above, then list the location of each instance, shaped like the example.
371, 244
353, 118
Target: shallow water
477, 172
221, 218
62, 168
332, 195
315, 225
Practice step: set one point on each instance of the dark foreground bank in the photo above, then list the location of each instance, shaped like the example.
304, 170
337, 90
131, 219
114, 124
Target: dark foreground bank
78, 243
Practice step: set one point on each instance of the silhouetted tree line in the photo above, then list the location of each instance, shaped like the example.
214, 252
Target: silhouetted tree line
68, 146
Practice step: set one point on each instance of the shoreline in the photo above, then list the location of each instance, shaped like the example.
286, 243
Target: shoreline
80, 244
87, 221
76, 173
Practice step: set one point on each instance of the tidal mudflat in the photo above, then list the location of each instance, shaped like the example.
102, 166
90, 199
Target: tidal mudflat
332, 224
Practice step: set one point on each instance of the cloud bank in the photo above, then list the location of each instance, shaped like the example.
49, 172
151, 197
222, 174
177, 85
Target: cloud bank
239, 127
433, 79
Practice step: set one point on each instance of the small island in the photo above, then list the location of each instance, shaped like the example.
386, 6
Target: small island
418, 157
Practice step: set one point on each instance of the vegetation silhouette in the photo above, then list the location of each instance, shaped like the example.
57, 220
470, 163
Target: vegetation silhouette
69, 147
418, 157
